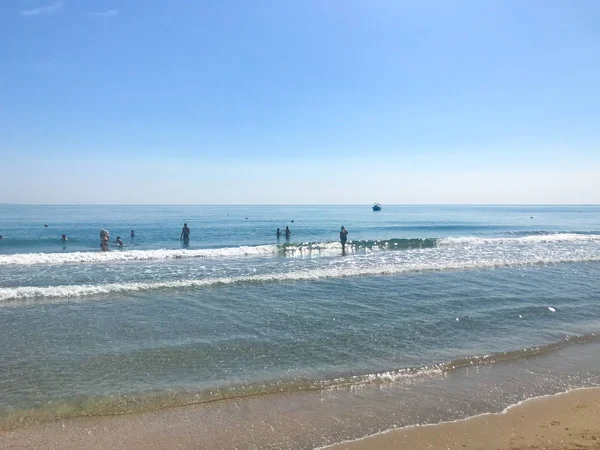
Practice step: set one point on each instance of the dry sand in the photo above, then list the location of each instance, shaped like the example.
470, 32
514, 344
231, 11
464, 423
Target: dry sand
567, 421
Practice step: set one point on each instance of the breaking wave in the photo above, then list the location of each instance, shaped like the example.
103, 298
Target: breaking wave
329, 272
291, 249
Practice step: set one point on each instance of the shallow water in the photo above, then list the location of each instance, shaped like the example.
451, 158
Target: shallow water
421, 292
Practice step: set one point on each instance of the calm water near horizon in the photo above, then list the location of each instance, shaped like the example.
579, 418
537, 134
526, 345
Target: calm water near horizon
430, 305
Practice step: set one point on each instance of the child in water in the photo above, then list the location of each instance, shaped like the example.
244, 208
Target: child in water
119, 242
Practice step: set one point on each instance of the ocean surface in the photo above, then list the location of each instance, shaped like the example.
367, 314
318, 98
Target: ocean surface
432, 313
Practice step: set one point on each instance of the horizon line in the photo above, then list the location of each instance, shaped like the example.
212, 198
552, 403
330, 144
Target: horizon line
299, 204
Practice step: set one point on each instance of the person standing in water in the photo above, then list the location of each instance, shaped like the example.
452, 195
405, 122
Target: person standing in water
119, 242
288, 233
343, 239
278, 233
104, 236
185, 234
132, 234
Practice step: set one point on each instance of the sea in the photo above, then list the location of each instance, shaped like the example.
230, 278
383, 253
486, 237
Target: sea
430, 314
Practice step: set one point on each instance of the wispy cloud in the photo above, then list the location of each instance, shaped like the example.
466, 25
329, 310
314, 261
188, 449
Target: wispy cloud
45, 9
100, 14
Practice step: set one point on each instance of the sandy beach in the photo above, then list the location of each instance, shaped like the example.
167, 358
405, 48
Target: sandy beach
565, 421
562, 422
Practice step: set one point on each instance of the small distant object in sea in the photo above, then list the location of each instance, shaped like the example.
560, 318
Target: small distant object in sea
292, 221
0, 236
551, 309
531, 217
376, 207
119, 242
132, 234
278, 232
246, 218
64, 237
45, 225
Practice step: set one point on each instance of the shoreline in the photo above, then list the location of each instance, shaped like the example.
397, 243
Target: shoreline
562, 421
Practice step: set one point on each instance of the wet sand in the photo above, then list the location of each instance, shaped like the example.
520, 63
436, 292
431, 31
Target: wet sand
562, 422
566, 421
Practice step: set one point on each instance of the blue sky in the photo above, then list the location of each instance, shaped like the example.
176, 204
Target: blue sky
324, 101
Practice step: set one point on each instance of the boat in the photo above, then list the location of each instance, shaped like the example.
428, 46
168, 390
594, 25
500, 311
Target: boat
376, 207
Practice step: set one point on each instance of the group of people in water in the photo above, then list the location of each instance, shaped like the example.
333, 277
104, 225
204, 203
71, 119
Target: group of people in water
185, 237
105, 238
287, 233
343, 236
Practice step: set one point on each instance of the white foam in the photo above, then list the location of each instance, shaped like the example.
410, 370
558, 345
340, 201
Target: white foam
536, 239
332, 271
322, 248
28, 259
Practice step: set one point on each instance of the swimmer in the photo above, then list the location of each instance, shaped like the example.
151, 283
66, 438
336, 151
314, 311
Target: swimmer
288, 232
45, 225
278, 233
185, 233
119, 242
64, 237
132, 234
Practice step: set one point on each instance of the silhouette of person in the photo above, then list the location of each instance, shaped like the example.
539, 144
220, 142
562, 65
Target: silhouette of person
185, 234
343, 238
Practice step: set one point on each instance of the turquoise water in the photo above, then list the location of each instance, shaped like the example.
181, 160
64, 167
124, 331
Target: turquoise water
420, 290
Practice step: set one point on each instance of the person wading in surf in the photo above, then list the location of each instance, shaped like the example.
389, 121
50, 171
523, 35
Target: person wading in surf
343, 239
104, 236
185, 234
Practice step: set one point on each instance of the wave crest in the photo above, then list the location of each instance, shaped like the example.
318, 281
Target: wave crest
288, 249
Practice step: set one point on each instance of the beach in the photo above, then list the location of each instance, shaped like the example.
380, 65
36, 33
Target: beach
560, 422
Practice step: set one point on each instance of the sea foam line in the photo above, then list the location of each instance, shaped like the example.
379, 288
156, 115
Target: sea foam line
534, 239
28, 259
294, 249
70, 291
